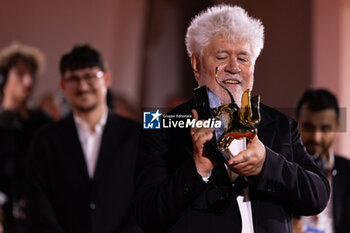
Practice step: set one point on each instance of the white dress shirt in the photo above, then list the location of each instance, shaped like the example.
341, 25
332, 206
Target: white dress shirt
243, 200
235, 147
90, 140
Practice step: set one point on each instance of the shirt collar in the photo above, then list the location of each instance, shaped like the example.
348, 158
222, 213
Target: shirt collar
214, 101
83, 125
329, 163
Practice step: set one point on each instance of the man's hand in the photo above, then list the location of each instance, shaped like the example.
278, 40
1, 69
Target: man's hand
297, 225
250, 161
199, 136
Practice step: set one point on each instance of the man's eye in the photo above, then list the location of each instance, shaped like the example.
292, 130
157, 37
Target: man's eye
88, 77
242, 59
221, 58
307, 127
326, 128
20, 73
73, 79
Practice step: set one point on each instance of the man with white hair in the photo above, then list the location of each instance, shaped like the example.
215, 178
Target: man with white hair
179, 187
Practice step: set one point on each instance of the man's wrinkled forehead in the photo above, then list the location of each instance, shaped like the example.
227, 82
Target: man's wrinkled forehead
225, 44
244, 52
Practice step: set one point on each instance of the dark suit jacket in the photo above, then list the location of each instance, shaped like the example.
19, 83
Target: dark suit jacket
341, 194
16, 134
172, 197
62, 197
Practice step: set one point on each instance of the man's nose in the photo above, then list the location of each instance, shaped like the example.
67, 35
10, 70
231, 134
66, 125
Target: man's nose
27, 80
233, 66
83, 84
317, 136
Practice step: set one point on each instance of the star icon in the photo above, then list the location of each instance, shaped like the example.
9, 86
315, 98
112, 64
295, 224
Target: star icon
155, 115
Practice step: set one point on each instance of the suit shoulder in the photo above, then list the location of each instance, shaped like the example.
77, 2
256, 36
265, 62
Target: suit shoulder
123, 121
184, 108
340, 159
53, 127
272, 111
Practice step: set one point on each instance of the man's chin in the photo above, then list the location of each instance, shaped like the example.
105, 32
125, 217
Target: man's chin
224, 96
24, 97
313, 151
227, 100
86, 108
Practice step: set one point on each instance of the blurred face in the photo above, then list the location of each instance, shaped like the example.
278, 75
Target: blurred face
20, 83
318, 129
85, 89
236, 69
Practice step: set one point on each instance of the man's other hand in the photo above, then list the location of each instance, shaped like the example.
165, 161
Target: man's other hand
250, 161
199, 136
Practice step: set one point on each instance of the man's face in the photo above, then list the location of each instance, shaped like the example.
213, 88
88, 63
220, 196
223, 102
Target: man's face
86, 88
236, 69
318, 129
20, 83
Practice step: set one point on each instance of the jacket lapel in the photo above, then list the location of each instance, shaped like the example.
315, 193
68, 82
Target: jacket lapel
73, 146
266, 133
109, 146
337, 196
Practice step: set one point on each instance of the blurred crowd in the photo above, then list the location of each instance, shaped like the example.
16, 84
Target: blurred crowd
20, 69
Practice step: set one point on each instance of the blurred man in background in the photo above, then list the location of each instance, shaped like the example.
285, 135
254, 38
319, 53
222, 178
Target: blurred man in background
81, 168
318, 115
19, 68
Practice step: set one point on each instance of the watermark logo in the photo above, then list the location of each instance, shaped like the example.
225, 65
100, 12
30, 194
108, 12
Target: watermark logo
157, 120
151, 120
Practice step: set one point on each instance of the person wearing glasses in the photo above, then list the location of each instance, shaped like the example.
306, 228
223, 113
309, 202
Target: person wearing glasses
80, 173
20, 66
179, 188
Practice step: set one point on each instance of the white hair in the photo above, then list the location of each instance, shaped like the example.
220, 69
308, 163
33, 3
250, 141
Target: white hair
227, 20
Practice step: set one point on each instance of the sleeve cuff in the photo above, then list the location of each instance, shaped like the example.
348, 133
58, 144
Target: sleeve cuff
206, 179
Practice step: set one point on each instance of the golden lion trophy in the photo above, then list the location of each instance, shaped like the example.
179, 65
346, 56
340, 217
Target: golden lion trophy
240, 122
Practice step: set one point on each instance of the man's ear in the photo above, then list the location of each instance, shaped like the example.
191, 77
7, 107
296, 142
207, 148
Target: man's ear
195, 66
62, 84
107, 78
337, 126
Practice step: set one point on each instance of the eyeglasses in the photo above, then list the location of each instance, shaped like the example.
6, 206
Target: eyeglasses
90, 78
